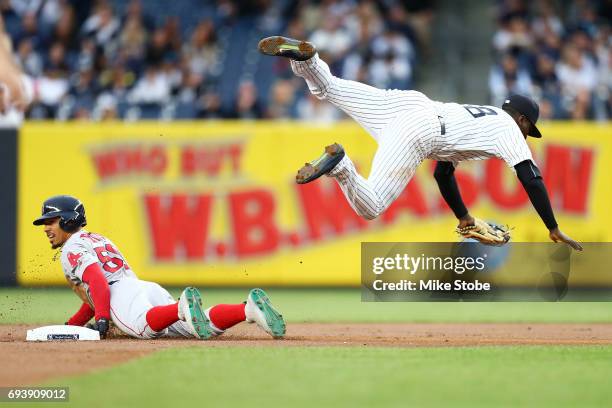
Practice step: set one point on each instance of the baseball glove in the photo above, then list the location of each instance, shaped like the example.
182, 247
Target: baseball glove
485, 233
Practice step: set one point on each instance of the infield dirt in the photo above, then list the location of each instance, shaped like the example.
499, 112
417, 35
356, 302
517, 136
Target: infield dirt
29, 363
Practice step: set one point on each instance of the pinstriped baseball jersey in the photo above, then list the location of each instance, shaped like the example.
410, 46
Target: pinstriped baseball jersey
407, 126
479, 132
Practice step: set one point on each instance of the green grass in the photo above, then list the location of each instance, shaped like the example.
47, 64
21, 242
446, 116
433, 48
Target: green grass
38, 305
484, 376
536, 376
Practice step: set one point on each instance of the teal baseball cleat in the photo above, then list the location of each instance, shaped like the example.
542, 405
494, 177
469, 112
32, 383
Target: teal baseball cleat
259, 310
190, 311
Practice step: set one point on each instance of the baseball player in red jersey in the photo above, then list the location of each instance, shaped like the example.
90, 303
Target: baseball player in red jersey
99, 273
409, 128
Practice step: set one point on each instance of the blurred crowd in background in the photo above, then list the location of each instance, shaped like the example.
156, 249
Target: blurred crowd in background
563, 57
189, 59
159, 59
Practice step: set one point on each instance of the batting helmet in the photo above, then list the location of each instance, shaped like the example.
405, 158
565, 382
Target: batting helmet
68, 209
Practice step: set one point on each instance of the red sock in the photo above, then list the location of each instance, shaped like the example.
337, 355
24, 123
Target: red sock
226, 316
160, 317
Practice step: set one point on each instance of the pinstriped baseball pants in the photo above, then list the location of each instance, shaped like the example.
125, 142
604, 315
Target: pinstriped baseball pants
403, 123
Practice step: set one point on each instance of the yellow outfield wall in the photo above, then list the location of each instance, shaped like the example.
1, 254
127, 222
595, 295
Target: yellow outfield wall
215, 203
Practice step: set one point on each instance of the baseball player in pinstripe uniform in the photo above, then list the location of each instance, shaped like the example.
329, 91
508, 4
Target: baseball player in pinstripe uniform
409, 128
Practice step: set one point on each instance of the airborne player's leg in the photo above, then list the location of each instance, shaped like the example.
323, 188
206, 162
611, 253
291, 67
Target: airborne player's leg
371, 107
398, 120
395, 162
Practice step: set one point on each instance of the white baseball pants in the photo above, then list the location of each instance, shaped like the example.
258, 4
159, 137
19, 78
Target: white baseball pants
131, 299
403, 123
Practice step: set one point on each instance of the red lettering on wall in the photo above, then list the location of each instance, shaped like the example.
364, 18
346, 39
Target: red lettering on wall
252, 218
209, 160
179, 224
188, 162
130, 160
106, 164
235, 153
567, 175
505, 196
157, 160
326, 209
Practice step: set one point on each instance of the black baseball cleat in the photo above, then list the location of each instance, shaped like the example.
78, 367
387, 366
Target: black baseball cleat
323, 165
287, 47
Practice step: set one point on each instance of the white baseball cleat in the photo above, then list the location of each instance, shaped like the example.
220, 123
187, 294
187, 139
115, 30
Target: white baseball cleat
259, 310
190, 311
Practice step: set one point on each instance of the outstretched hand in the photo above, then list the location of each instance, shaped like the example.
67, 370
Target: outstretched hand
557, 236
